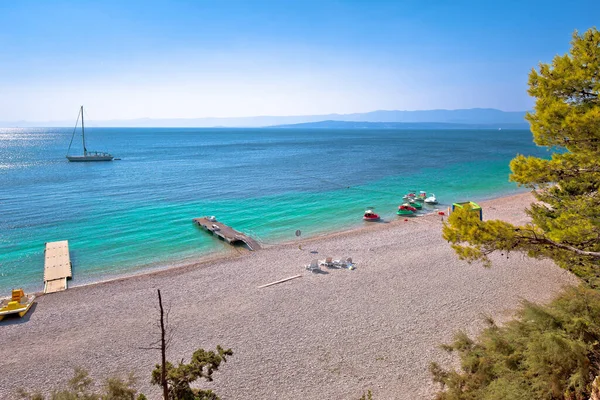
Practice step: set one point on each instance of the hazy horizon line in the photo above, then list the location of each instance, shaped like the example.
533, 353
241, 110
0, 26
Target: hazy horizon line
284, 115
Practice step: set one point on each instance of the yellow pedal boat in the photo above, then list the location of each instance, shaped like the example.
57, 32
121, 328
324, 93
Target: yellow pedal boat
19, 303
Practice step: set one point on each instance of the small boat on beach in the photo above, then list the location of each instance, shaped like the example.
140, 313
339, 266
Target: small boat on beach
87, 155
431, 199
406, 209
19, 303
370, 216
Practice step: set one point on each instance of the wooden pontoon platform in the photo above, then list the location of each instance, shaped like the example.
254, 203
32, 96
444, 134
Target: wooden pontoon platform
57, 266
225, 232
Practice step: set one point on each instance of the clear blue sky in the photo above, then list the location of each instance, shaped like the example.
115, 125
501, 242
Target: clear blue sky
222, 58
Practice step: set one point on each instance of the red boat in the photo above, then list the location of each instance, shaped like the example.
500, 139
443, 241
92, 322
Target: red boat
370, 216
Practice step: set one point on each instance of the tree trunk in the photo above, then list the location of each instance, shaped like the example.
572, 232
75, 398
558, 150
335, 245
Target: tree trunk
595, 395
163, 350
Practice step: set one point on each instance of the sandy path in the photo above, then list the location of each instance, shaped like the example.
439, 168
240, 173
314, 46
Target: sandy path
322, 336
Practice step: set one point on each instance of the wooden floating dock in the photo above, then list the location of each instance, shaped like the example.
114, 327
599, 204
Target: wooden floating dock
225, 232
57, 266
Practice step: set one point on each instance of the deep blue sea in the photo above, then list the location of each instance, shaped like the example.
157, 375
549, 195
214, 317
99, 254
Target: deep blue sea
127, 216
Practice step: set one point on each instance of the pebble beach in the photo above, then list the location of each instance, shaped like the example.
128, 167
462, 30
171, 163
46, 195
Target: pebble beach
329, 335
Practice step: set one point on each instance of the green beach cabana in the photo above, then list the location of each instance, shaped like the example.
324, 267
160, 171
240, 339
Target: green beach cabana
474, 207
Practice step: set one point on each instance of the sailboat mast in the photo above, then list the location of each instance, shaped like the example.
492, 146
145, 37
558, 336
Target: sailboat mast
83, 133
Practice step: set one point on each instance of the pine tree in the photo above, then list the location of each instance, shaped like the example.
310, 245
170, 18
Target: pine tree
565, 222
180, 378
549, 352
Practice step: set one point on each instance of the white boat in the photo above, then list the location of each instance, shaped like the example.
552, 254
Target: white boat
431, 199
87, 155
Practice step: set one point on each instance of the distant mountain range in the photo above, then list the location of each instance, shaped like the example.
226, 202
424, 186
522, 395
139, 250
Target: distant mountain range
397, 125
481, 116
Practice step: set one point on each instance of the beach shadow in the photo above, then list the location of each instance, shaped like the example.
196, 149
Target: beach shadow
14, 319
319, 272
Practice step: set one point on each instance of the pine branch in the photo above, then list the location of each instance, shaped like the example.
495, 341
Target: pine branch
544, 240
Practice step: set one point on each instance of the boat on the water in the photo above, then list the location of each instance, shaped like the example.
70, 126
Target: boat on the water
19, 303
410, 196
371, 216
406, 209
415, 203
87, 154
421, 197
431, 199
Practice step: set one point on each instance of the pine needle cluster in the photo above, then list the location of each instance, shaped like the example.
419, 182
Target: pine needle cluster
549, 352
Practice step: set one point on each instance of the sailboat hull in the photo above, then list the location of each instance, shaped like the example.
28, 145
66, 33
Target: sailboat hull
89, 158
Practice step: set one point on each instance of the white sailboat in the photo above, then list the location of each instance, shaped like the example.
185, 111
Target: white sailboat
87, 155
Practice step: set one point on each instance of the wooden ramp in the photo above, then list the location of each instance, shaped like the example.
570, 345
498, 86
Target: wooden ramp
57, 266
225, 232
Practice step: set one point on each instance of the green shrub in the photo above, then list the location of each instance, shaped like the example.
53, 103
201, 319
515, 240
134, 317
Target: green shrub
548, 352
80, 387
180, 378
367, 396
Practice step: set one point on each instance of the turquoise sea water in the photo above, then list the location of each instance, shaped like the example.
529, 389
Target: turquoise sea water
124, 216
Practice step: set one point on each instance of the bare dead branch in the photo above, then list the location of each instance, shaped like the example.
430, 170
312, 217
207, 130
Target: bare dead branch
163, 351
